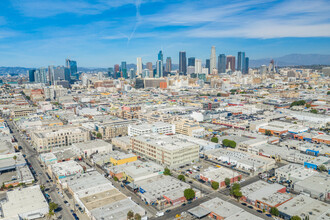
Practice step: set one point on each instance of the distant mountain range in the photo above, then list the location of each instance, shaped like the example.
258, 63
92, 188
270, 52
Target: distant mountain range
287, 60
294, 60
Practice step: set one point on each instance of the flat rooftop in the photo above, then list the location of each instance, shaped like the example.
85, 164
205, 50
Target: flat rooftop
303, 206
101, 199
219, 174
221, 207
117, 210
24, 200
168, 143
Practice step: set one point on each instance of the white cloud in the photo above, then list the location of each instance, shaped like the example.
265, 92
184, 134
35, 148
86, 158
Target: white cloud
247, 19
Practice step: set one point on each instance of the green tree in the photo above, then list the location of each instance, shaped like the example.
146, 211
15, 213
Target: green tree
219, 94
98, 135
215, 140
308, 105
182, 178
328, 93
137, 216
236, 191
322, 168
42, 187
115, 178
215, 185
239, 178
227, 181
295, 218
130, 215
10, 186
167, 171
225, 142
232, 144
314, 111
189, 194
274, 211
298, 103
52, 206
268, 133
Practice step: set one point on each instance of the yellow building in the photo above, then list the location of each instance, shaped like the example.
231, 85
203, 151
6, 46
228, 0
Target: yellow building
122, 158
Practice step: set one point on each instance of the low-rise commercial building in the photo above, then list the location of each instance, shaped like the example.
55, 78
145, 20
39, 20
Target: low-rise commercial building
98, 198
24, 203
163, 190
219, 209
264, 195
316, 186
123, 143
119, 158
219, 175
91, 147
65, 169
304, 207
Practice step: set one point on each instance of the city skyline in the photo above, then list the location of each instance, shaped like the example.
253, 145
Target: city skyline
98, 34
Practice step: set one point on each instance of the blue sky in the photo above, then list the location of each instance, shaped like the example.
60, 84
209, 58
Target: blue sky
101, 33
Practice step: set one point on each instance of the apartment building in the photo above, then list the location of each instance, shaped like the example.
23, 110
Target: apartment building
46, 140
19, 112
116, 128
189, 128
170, 151
156, 127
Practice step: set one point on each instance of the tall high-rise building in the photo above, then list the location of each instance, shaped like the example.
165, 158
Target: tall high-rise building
207, 65
40, 75
138, 65
182, 62
191, 61
31, 75
59, 73
72, 65
160, 56
246, 65
110, 72
198, 66
51, 73
124, 70
222, 63
159, 69
117, 71
231, 63
168, 65
149, 66
213, 60
240, 61
132, 74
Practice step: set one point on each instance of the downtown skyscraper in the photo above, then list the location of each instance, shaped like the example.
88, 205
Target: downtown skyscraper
138, 65
240, 61
168, 64
72, 65
182, 62
124, 70
222, 63
159, 65
207, 65
191, 61
230, 63
213, 60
